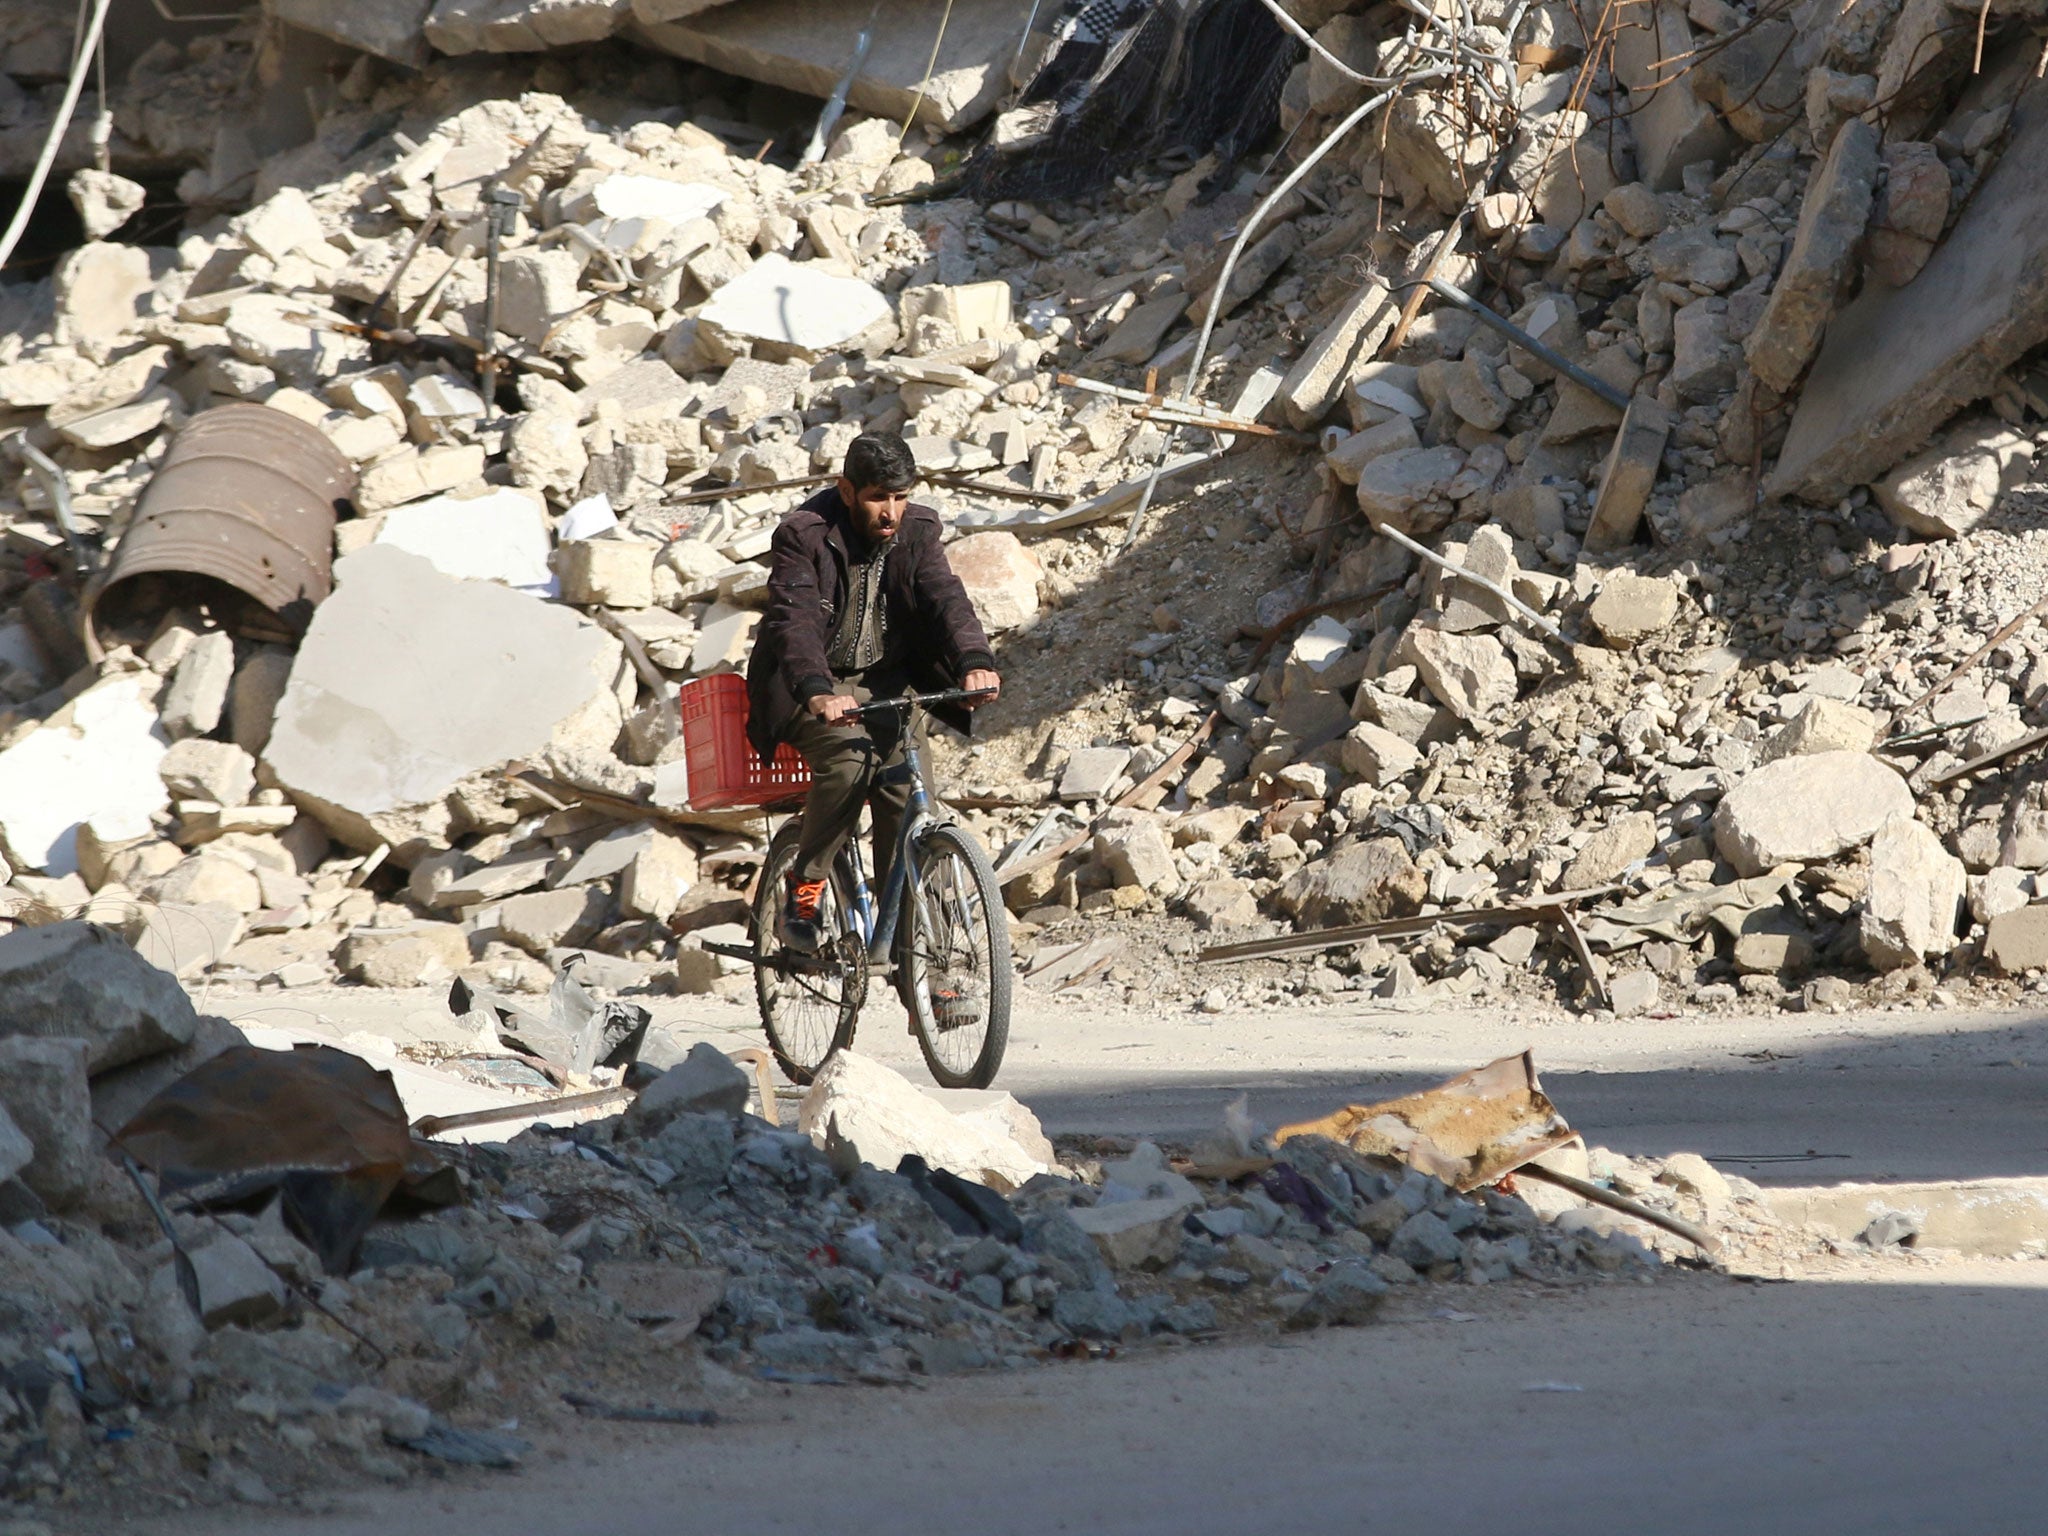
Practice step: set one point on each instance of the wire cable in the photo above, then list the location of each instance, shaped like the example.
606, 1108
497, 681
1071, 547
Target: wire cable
81, 66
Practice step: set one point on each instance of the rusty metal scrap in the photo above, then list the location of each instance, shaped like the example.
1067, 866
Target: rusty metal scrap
1467, 1131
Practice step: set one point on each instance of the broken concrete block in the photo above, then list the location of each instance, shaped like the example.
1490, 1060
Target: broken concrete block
1315, 381
1946, 491
1001, 576
1134, 1234
412, 473
1429, 142
1610, 851
2017, 941
882, 1117
104, 201
537, 290
408, 681
1470, 675
1822, 261
1630, 608
545, 451
1394, 487
282, 225
797, 305
184, 939
95, 759
99, 291
1633, 465
1140, 857
614, 573
1800, 810
219, 771
705, 1082
725, 638
43, 1090
661, 872
415, 955
198, 689
1092, 772
501, 535
1825, 725
539, 921
391, 29
1376, 755
1347, 460
235, 1286
1898, 362
1362, 882
15, 1148
80, 982
1916, 893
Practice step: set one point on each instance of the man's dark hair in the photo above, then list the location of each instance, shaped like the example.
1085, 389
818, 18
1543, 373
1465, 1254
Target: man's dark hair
880, 461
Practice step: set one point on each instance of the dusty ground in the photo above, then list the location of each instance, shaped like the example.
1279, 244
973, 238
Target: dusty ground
1906, 1400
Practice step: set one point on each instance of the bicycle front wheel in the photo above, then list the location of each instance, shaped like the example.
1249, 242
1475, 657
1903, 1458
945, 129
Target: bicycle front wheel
956, 968
809, 1002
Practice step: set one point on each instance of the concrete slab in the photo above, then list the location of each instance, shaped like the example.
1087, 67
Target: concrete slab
795, 45
499, 536
1898, 362
797, 304
409, 681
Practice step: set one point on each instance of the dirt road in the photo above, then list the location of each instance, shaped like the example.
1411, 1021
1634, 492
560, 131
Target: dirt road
1784, 1097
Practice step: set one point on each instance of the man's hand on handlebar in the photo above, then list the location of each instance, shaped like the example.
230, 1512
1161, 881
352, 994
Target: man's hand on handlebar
832, 708
982, 680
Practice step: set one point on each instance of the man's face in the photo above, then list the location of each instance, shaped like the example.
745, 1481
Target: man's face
877, 512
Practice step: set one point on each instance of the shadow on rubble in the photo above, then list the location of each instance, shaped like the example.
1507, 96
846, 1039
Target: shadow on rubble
1229, 558
1825, 1115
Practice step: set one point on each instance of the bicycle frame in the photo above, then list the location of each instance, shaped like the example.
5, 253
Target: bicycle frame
877, 921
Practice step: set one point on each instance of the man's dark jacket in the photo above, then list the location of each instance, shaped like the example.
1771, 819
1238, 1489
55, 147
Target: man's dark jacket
931, 624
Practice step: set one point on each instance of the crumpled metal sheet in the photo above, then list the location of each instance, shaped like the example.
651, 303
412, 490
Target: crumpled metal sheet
1467, 1131
323, 1128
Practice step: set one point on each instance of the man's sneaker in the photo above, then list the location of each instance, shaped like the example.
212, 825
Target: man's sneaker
800, 915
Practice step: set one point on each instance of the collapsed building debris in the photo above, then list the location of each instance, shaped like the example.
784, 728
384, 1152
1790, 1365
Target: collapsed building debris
555, 375
268, 1285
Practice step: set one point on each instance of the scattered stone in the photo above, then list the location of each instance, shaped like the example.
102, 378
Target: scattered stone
1632, 608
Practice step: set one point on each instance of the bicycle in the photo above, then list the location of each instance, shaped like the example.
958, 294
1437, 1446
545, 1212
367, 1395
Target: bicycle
938, 930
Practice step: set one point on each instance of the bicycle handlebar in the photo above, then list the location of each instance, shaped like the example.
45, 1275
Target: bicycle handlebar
906, 700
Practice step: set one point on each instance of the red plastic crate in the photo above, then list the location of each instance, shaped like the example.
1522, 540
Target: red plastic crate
725, 771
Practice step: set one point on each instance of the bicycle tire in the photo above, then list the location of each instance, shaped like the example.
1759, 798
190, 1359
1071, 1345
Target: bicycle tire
943, 846
801, 1045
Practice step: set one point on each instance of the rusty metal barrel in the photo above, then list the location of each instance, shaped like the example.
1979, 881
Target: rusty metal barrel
239, 520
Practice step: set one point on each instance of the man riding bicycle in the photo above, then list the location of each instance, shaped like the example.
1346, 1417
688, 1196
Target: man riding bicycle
861, 605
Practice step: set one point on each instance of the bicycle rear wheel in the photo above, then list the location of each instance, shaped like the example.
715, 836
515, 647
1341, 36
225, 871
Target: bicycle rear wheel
955, 976
809, 1002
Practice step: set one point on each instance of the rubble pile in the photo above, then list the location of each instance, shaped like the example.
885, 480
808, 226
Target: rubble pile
466, 758
662, 1263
